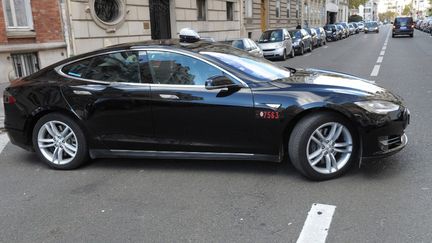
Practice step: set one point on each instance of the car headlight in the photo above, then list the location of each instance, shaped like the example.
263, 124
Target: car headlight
366, 28
378, 106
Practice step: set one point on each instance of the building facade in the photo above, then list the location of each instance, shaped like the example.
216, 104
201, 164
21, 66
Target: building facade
31, 36
314, 13
336, 11
370, 11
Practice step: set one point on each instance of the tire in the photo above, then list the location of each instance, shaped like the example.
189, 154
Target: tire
301, 143
393, 35
311, 47
302, 50
65, 144
292, 54
411, 35
284, 57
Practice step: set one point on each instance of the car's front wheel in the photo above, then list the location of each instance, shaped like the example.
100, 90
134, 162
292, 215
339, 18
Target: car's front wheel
323, 146
60, 142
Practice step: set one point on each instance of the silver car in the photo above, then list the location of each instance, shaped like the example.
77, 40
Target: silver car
276, 44
248, 45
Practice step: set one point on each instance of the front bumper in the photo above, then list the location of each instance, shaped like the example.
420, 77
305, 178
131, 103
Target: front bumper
387, 138
403, 32
276, 53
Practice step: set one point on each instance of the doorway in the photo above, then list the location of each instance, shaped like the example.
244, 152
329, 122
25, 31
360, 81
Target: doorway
160, 19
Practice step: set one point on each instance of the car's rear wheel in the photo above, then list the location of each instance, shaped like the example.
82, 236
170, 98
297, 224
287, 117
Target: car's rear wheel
323, 146
284, 55
292, 54
302, 50
411, 35
59, 142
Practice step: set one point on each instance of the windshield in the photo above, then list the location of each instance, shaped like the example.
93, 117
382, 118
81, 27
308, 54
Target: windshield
371, 24
402, 21
271, 36
295, 34
330, 27
256, 69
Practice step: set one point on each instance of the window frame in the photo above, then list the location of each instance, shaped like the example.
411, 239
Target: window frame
236, 79
230, 12
248, 8
288, 8
278, 9
22, 59
203, 11
29, 16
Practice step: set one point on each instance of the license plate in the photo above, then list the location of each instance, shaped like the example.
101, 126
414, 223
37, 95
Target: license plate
403, 27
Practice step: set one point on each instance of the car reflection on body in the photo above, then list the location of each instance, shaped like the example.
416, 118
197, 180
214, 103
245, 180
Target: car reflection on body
162, 99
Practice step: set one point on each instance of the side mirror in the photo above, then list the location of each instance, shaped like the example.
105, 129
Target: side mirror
12, 76
220, 82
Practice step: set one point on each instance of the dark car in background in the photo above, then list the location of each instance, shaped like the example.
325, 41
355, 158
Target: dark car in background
164, 100
321, 35
276, 44
248, 45
312, 32
333, 32
403, 26
371, 26
301, 40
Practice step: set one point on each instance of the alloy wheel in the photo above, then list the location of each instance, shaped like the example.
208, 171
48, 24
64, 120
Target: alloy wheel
57, 142
329, 148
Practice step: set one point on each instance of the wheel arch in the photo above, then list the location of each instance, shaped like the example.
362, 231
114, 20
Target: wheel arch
41, 112
294, 121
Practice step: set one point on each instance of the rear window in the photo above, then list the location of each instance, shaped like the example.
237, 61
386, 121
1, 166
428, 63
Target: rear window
403, 21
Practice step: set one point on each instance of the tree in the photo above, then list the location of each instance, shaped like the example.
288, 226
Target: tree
355, 18
354, 4
406, 10
389, 16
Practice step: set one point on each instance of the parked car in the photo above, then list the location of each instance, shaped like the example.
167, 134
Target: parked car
165, 100
403, 26
321, 35
249, 46
343, 30
360, 26
352, 29
301, 40
314, 36
371, 27
276, 43
356, 27
346, 27
333, 32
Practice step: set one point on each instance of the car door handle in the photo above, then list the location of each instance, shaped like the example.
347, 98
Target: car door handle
82, 92
169, 96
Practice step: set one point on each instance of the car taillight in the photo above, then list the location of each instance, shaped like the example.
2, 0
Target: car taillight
8, 98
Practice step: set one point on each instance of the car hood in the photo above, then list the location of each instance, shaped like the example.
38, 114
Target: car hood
340, 82
272, 45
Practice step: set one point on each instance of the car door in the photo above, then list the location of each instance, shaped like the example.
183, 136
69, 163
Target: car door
287, 40
189, 117
110, 94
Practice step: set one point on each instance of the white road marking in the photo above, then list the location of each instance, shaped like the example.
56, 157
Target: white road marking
380, 58
317, 224
4, 140
306, 55
382, 53
325, 46
375, 70
384, 47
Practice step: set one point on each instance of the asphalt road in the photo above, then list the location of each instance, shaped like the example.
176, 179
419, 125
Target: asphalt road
388, 200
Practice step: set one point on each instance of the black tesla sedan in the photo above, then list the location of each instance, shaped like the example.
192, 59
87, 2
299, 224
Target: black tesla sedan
162, 99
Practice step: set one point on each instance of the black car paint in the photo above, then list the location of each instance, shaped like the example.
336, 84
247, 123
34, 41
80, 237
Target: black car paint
198, 120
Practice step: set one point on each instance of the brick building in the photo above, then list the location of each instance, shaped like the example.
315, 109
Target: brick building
31, 36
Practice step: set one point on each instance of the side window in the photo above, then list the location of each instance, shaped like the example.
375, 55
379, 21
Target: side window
173, 68
252, 44
238, 44
77, 69
114, 67
247, 44
144, 67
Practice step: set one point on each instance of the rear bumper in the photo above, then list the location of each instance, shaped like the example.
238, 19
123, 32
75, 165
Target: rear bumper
19, 139
403, 32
